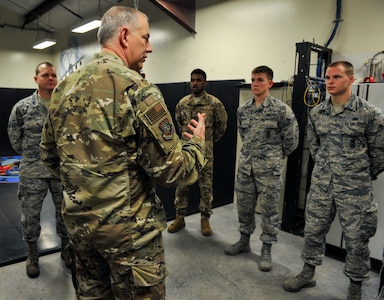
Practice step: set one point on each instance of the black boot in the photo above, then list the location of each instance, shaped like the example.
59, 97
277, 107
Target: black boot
354, 290
241, 246
266, 258
32, 267
65, 255
303, 280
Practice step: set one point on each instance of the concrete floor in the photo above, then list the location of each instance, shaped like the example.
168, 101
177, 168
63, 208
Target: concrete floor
199, 269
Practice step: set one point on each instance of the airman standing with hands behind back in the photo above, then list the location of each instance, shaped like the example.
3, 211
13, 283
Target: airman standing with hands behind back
269, 131
24, 130
346, 140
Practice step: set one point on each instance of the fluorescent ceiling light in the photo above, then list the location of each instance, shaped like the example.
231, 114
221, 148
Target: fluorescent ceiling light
45, 43
86, 26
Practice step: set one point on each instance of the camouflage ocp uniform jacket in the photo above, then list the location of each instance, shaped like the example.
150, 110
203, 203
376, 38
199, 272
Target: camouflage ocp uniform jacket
215, 119
269, 133
110, 137
24, 131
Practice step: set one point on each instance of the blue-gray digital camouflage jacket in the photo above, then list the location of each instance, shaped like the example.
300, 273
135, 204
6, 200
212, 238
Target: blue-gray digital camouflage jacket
349, 143
269, 133
24, 131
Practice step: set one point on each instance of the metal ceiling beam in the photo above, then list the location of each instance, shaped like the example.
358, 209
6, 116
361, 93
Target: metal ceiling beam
182, 11
40, 10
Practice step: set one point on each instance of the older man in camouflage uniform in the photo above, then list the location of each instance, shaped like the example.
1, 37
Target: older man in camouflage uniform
215, 124
110, 138
24, 130
269, 132
346, 140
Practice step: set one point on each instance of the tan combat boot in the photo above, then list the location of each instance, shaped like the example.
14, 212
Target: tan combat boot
177, 225
32, 267
241, 246
266, 259
354, 290
205, 226
303, 280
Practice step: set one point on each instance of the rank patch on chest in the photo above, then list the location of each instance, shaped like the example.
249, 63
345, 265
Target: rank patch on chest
166, 129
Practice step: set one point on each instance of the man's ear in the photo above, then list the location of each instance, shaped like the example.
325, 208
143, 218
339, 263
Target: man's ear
123, 35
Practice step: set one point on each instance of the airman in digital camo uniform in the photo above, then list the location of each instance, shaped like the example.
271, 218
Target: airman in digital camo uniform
24, 130
346, 140
269, 131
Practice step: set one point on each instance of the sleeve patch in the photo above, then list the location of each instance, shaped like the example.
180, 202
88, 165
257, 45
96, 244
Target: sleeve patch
166, 129
155, 113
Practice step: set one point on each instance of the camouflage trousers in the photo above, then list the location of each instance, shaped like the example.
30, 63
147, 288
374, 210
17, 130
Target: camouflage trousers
32, 192
381, 284
357, 213
205, 182
106, 272
264, 188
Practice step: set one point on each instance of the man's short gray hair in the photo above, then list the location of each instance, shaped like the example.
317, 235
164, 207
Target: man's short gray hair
113, 19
